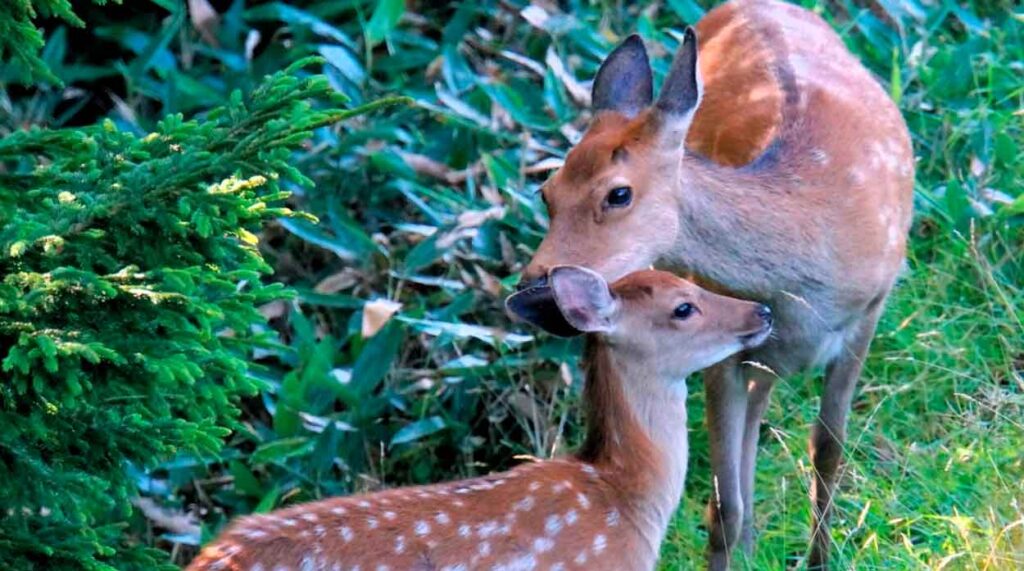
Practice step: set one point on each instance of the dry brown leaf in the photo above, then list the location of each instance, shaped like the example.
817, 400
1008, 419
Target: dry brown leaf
205, 20
579, 93
274, 309
488, 283
338, 281
376, 314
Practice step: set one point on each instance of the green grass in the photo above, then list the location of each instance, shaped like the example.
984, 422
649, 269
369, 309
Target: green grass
933, 473
934, 462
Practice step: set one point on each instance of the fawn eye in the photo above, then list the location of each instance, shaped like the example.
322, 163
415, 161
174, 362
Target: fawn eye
683, 311
619, 197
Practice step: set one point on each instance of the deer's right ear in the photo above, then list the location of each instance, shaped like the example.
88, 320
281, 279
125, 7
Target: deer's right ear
583, 298
624, 83
681, 92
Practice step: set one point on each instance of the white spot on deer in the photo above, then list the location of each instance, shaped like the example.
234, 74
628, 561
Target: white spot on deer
543, 545
581, 558
346, 533
289, 522
383, 568
557, 567
525, 504
553, 524
400, 544
459, 503
254, 534
320, 531
310, 517
307, 564
856, 176
422, 528
819, 156
571, 516
560, 487
612, 518
759, 93
600, 542
256, 567
339, 511
484, 549
363, 504
372, 522
534, 486
282, 568
389, 515
589, 470
464, 530
456, 567
423, 495
442, 518
583, 500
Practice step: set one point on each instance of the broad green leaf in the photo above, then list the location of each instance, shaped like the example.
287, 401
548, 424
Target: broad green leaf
417, 430
282, 449
385, 18
376, 358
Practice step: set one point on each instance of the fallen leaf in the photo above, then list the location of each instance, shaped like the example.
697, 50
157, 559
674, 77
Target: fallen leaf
579, 93
376, 314
338, 281
205, 20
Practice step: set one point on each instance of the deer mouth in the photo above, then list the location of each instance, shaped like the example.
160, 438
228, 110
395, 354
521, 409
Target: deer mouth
756, 339
535, 304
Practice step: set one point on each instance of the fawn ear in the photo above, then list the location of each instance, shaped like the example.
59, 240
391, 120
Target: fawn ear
624, 82
583, 298
681, 92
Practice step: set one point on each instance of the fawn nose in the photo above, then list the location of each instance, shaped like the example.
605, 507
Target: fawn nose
765, 313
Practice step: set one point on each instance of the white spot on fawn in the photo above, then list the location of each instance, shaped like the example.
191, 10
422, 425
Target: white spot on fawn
600, 542
534, 486
581, 558
583, 500
363, 504
400, 544
346, 533
612, 518
372, 522
571, 516
464, 530
543, 545
339, 511
484, 549
553, 524
389, 515
442, 518
524, 504
422, 528
487, 529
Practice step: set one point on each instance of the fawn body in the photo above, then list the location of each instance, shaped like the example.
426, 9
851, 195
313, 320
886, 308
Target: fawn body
606, 508
795, 190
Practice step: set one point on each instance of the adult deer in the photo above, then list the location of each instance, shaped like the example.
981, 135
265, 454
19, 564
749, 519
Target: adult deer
607, 508
795, 189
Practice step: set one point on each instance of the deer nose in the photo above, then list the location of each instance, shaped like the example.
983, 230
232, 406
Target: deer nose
765, 313
527, 281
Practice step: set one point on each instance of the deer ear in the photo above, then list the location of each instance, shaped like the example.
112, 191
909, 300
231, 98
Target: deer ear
682, 90
583, 298
624, 83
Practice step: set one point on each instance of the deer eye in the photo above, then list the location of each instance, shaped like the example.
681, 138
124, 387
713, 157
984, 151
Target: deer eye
619, 197
683, 311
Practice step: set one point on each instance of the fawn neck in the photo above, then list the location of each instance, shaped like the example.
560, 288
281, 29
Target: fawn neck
636, 434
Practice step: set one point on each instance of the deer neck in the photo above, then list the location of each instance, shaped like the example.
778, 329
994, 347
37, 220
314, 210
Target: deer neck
734, 229
636, 434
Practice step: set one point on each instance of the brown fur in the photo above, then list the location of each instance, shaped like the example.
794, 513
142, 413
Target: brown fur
795, 189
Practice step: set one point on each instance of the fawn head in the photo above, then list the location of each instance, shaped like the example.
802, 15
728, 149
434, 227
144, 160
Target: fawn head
613, 205
651, 315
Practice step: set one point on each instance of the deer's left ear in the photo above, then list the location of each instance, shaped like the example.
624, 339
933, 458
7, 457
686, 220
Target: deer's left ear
682, 91
624, 83
583, 298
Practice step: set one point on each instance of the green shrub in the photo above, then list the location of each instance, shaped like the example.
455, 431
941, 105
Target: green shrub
128, 308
